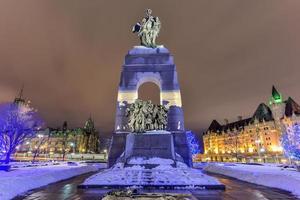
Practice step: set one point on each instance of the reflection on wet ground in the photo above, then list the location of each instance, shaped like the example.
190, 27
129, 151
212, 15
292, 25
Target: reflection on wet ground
235, 189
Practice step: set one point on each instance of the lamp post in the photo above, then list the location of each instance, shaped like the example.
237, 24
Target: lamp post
73, 146
105, 154
258, 148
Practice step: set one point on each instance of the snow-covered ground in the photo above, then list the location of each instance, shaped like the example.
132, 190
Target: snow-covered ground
270, 176
161, 175
20, 180
157, 161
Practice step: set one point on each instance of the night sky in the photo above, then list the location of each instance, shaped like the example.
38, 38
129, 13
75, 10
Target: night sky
69, 53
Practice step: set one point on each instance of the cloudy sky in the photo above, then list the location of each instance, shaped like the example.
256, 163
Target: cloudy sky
69, 53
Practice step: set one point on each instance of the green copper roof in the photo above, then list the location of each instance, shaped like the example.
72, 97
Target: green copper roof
276, 95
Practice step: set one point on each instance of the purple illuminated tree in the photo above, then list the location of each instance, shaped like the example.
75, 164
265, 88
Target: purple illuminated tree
193, 143
18, 122
291, 141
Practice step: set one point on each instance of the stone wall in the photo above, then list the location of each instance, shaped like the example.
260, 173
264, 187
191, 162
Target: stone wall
178, 141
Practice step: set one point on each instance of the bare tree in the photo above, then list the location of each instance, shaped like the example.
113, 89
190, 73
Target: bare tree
42, 140
65, 134
18, 122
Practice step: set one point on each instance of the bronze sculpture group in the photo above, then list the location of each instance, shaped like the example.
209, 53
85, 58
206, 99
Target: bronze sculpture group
148, 29
145, 116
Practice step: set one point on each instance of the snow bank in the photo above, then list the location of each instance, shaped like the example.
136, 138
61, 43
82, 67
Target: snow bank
18, 181
270, 176
161, 175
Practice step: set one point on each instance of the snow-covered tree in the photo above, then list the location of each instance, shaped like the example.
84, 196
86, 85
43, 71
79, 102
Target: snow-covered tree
18, 122
290, 140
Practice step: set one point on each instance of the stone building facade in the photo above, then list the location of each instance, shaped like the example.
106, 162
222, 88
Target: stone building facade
254, 139
63, 140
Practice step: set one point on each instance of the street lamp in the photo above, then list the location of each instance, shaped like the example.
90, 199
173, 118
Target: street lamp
105, 153
258, 148
73, 146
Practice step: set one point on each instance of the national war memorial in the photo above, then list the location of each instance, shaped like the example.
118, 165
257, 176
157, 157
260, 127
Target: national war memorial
149, 145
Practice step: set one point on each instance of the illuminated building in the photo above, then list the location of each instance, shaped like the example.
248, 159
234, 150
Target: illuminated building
53, 143
254, 139
50, 143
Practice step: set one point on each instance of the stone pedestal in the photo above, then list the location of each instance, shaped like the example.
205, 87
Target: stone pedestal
122, 146
150, 145
117, 147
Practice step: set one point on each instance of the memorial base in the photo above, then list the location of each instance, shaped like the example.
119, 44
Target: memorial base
163, 176
166, 145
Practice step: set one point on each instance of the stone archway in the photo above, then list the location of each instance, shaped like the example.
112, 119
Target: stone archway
149, 91
150, 65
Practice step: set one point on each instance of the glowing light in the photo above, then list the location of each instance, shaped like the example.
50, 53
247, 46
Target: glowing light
277, 98
276, 149
290, 140
193, 143
17, 121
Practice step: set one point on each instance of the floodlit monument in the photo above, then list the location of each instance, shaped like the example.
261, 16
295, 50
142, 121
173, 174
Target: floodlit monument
150, 63
149, 145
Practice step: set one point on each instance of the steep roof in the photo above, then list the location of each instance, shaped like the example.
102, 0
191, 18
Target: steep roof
215, 126
275, 94
291, 107
263, 112
240, 124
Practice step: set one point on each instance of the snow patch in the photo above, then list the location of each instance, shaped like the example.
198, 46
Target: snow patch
155, 160
21, 180
153, 132
160, 175
270, 176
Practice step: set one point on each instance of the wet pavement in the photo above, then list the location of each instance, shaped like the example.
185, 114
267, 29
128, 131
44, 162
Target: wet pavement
235, 189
